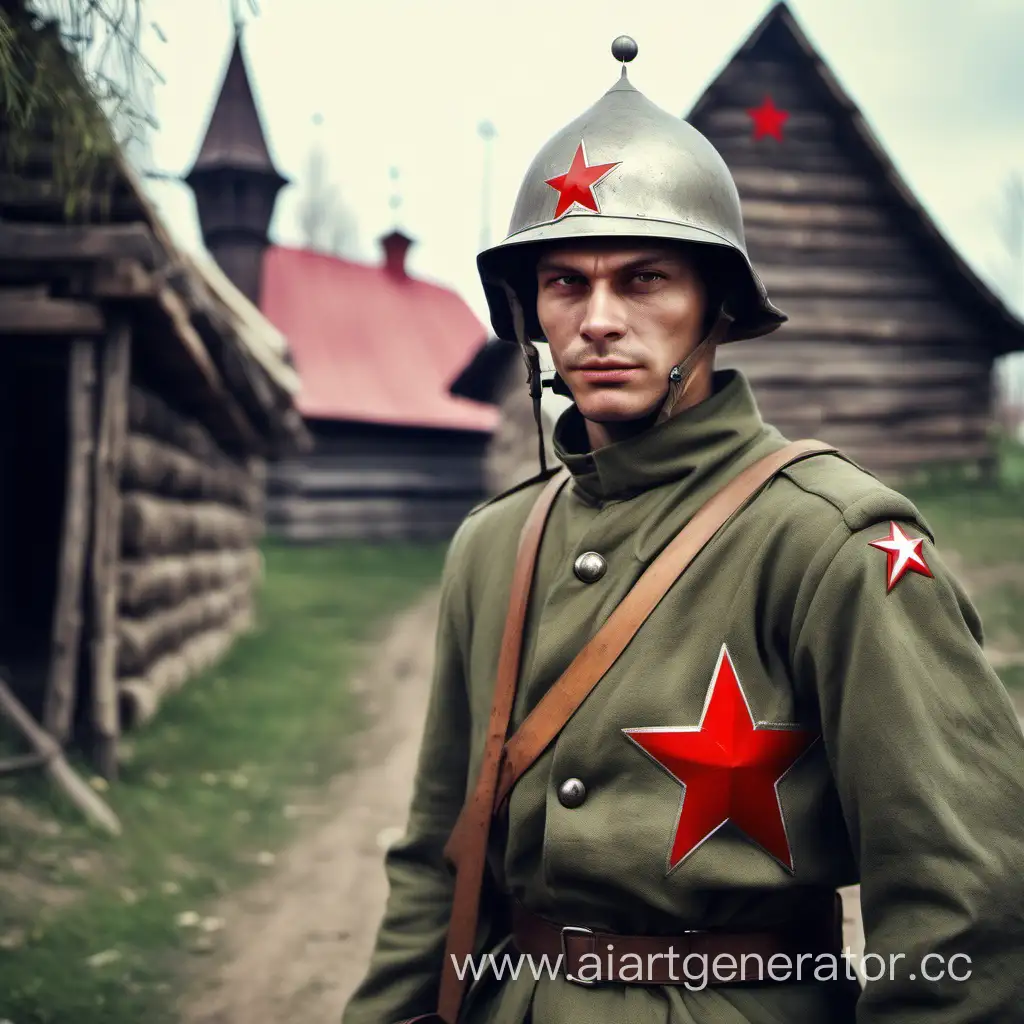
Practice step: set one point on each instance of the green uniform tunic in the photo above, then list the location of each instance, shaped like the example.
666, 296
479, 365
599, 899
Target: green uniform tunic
915, 788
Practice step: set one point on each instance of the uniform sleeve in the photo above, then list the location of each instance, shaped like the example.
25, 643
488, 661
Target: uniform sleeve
404, 972
928, 759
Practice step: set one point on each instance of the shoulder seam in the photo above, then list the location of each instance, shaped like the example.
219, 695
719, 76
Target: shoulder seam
818, 492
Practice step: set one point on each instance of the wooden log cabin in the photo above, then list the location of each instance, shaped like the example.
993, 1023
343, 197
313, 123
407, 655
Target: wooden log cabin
892, 339
395, 456
140, 397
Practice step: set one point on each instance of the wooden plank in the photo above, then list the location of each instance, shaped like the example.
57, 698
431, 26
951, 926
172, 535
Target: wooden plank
42, 199
808, 280
771, 182
225, 402
820, 156
772, 237
899, 258
943, 319
802, 123
68, 609
767, 213
79, 243
35, 314
115, 376
382, 480
813, 364
368, 510
880, 401
887, 452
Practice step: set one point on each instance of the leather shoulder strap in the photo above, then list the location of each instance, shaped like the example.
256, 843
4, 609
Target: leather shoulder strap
475, 820
569, 691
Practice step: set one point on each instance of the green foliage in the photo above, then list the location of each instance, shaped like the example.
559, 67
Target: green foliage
69, 92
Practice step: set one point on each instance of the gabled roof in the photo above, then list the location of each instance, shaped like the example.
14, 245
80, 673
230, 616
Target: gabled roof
779, 32
234, 136
371, 346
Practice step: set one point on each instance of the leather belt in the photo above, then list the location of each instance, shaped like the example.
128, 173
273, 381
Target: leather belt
722, 958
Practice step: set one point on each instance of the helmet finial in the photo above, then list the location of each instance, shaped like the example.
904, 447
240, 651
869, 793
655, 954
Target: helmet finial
624, 48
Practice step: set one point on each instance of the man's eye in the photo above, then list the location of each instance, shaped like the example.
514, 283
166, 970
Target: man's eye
648, 276
567, 280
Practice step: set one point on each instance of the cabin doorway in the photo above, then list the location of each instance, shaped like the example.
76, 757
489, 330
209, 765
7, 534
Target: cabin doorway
34, 449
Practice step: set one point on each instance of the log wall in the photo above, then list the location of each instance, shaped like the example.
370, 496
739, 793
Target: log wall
191, 521
883, 354
377, 484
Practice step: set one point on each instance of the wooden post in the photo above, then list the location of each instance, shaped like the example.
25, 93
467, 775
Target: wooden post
48, 753
67, 617
111, 431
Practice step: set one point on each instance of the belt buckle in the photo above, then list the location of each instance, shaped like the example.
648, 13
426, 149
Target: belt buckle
576, 930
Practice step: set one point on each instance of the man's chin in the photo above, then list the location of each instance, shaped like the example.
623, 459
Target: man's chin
616, 408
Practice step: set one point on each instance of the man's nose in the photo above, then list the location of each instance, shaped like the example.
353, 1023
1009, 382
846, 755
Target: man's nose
604, 316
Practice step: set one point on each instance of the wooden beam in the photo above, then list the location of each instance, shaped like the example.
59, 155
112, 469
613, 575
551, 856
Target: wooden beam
800, 123
868, 282
38, 314
46, 747
79, 243
68, 609
174, 306
764, 212
42, 195
770, 182
115, 375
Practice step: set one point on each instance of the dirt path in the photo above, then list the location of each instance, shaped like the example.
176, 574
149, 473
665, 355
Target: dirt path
296, 945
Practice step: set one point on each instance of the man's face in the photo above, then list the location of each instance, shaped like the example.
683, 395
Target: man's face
618, 317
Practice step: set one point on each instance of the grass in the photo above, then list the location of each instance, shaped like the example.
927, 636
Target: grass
984, 525
203, 800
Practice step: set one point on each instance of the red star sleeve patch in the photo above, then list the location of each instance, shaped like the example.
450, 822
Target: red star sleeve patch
903, 555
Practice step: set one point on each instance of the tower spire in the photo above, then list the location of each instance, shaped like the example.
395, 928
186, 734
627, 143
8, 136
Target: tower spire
234, 178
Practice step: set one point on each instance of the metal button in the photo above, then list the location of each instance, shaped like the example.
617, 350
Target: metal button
572, 793
590, 567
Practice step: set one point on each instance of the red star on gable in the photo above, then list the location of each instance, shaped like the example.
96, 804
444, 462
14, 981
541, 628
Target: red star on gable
729, 767
903, 555
577, 184
768, 119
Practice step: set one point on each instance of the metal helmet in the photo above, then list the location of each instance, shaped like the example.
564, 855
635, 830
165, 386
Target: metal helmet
628, 169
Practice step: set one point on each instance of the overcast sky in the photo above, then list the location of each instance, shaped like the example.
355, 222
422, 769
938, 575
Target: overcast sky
406, 82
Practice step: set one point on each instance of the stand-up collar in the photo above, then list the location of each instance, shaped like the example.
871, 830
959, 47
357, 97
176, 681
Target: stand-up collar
693, 443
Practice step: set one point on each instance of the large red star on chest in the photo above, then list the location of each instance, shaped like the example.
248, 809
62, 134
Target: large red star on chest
729, 767
577, 184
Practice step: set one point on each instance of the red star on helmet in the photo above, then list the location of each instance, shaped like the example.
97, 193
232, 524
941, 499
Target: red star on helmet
903, 555
729, 767
576, 186
768, 119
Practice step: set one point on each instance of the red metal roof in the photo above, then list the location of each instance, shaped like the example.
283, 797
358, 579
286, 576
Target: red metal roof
372, 346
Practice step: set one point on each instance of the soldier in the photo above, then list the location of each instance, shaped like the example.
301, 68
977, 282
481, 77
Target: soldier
736, 676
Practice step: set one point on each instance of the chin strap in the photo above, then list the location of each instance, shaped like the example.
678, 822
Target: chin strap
532, 359
681, 375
